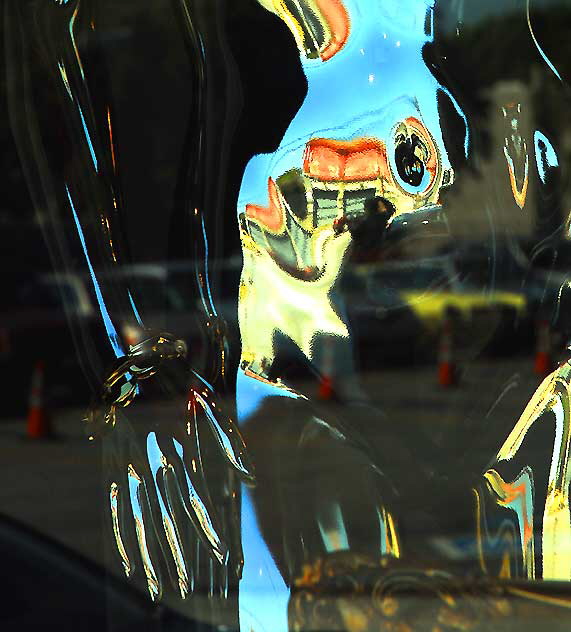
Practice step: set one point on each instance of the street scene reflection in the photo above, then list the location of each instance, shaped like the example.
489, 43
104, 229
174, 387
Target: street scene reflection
285, 323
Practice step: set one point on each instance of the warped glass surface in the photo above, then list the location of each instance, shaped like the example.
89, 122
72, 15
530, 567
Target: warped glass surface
307, 300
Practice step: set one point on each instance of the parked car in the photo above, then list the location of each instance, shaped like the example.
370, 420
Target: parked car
34, 327
35, 314
542, 279
412, 299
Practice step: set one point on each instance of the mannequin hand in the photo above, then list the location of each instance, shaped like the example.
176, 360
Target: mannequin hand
161, 495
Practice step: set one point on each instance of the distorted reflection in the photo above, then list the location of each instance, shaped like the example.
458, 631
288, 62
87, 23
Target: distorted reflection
353, 165
549, 405
512, 542
265, 452
515, 151
363, 165
342, 149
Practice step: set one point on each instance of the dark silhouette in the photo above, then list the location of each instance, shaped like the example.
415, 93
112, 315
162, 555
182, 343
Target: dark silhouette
368, 231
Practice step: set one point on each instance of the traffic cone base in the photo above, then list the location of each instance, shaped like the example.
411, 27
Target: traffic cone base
543, 364
447, 375
325, 388
38, 424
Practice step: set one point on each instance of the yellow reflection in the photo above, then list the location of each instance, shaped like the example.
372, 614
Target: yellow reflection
111, 143
71, 27
516, 496
273, 300
551, 402
114, 500
392, 546
520, 194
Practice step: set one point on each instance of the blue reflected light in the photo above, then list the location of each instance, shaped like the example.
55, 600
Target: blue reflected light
378, 79
263, 596
135, 310
540, 50
88, 138
251, 392
109, 327
545, 156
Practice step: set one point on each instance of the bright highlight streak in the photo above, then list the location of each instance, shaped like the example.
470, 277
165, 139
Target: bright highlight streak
111, 331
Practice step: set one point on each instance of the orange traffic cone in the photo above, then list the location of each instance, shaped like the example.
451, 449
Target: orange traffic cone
326, 391
447, 375
38, 426
542, 363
